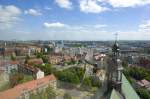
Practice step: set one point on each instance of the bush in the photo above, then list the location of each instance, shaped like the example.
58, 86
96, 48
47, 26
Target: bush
143, 93
47, 68
67, 96
137, 73
49, 93
13, 57
71, 75
87, 82
39, 55
15, 78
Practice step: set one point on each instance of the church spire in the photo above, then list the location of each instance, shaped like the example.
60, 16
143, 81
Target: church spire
115, 48
117, 62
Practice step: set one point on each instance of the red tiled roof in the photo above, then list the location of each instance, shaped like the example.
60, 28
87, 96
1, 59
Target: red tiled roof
29, 67
14, 62
15, 92
145, 82
35, 61
2, 63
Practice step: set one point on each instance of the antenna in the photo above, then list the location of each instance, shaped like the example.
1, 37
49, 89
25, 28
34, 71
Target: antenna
116, 36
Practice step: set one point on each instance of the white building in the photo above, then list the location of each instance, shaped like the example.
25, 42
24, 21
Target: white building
58, 49
7, 66
39, 74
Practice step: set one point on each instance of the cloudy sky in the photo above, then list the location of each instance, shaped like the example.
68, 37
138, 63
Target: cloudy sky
74, 19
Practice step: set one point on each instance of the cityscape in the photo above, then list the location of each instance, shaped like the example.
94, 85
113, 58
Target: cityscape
74, 49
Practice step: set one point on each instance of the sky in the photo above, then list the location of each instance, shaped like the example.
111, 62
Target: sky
74, 19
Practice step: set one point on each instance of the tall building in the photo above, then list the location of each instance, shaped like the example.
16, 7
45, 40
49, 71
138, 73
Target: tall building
117, 87
115, 71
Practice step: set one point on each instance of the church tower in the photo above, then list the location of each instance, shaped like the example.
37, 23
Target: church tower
116, 85
116, 69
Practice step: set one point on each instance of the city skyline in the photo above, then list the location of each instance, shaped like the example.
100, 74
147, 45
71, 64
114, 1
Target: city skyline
74, 19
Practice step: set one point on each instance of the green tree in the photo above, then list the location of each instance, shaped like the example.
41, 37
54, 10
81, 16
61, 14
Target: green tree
47, 68
27, 58
80, 72
13, 57
137, 73
67, 96
39, 55
34, 96
87, 82
50, 50
96, 83
48, 93
51, 94
15, 78
68, 76
143, 93
45, 59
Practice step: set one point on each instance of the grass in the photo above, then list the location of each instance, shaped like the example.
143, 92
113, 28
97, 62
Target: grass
4, 86
94, 89
26, 78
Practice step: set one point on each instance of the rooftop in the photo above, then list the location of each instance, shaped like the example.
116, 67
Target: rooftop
143, 83
13, 93
128, 90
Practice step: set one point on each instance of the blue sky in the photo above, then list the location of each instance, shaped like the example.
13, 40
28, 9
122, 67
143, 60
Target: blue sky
74, 19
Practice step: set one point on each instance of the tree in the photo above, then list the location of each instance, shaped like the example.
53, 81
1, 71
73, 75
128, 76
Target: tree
48, 93
45, 59
69, 75
47, 68
34, 96
51, 94
143, 93
80, 72
67, 96
15, 78
13, 57
87, 82
39, 55
138, 73
96, 83
27, 58
50, 50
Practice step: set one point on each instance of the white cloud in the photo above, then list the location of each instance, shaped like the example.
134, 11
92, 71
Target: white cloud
100, 26
145, 26
137, 35
127, 3
54, 25
97, 6
9, 15
91, 6
33, 12
64, 3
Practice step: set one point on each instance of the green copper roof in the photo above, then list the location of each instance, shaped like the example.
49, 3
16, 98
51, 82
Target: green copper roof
114, 95
127, 89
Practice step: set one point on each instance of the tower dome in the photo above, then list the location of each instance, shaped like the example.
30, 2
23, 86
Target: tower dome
115, 47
